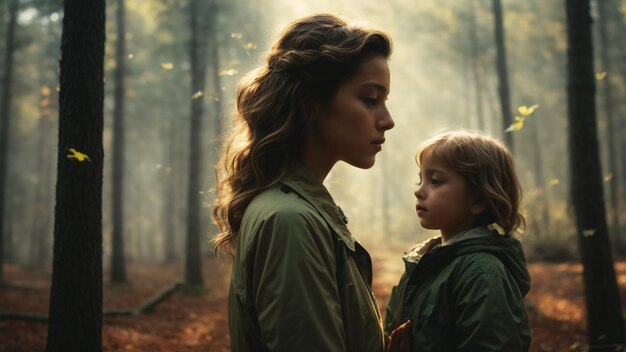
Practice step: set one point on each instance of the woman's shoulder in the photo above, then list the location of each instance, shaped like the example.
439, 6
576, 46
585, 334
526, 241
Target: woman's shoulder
278, 205
278, 201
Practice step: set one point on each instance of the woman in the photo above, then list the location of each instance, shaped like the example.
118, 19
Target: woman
300, 281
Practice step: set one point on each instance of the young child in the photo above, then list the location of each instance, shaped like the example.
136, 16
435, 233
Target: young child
464, 290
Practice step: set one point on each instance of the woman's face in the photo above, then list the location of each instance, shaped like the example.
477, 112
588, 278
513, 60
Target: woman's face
352, 127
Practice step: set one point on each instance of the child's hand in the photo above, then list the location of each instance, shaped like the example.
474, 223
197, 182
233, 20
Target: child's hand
400, 338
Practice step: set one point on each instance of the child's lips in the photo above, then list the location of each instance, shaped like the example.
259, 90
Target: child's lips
420, 209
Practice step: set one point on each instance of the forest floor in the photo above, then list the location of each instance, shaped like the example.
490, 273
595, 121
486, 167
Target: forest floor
198, 322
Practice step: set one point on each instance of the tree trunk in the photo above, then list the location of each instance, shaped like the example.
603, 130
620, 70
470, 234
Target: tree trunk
39, 235
193, 262
540, 182
169, 191
217, 87
5, 119
75, 321
474, 67
118, 265
604, 314
610, 124
503, 74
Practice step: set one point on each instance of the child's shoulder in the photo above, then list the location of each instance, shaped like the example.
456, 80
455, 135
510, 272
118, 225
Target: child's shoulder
476, 263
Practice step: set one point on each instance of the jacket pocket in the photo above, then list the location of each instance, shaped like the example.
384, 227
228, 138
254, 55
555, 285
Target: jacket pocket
427, 332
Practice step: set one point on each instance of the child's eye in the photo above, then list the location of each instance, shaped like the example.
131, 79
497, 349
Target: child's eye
369, 101
435, 181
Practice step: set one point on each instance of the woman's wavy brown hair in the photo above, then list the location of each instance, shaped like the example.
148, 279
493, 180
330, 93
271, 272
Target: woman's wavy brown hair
488, 169
275, 103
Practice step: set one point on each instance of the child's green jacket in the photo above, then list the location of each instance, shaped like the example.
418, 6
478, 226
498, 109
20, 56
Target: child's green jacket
467, 296
300, 281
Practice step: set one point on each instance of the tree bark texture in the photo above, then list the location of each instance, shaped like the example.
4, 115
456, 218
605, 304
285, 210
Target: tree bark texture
5, 121
503, 73
604, 314
75, 313
118, 265
197, 53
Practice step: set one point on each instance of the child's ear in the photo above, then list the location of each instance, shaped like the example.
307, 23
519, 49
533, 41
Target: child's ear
478, 207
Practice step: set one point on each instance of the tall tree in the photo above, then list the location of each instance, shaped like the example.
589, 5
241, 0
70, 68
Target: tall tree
75, 313
198, 57
40, 241
474, 57
503, 74
611, 126
118, 266
5, 119
604, 314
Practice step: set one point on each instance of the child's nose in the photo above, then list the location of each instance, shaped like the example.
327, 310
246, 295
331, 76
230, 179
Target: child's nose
417, 193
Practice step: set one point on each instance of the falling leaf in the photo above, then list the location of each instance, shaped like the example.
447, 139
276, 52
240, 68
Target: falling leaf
45, 91
228, 72
158, 166
517, 125
608, 177
236, 35
600, 75
527, 111
131, 56
167, 65
77, 155
249, 46
589, 232
554, 182
197, 95
575, 345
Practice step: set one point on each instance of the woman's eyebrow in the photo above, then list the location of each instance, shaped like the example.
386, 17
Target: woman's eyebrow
376, 86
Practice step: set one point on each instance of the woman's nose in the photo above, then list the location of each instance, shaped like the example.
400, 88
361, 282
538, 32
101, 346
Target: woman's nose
386, 121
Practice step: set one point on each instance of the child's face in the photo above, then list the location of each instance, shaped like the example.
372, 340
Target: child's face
443, 201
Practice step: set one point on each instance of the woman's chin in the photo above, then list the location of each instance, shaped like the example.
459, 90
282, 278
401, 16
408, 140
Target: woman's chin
363, 163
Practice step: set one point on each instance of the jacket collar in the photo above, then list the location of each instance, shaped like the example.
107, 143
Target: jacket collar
300, 179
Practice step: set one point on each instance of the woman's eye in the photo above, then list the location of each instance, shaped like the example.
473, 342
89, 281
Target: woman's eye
369, 101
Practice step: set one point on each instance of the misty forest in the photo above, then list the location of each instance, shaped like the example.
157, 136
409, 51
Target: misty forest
113, 114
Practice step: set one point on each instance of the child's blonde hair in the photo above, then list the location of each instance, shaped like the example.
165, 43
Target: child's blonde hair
488, 169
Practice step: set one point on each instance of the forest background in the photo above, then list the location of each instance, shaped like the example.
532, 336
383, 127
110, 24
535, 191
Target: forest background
444, 75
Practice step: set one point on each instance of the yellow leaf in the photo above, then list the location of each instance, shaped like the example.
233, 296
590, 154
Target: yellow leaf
517, 125
167, 65
249, 46
77, 155
589, 232
527, 111
197, 95
600, 75
228, 72
554, 182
